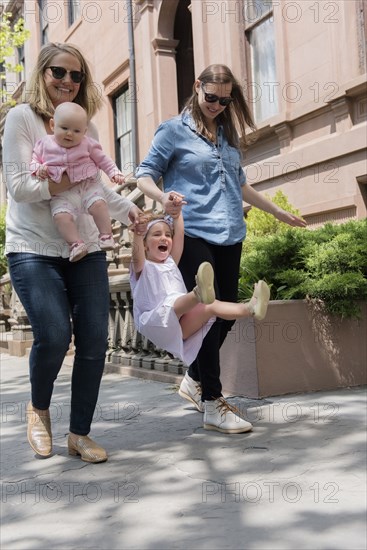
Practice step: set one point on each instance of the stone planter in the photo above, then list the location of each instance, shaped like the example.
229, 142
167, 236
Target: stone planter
296, 348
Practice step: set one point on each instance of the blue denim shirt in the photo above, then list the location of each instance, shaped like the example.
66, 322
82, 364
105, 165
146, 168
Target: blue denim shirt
210, 176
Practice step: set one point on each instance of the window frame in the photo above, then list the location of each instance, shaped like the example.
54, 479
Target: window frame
43, 23
122, 163
249, 27
73, 11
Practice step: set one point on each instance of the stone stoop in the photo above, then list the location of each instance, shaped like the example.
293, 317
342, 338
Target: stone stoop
17, 344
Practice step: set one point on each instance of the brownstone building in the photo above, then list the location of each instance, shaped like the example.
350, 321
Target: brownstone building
302, 64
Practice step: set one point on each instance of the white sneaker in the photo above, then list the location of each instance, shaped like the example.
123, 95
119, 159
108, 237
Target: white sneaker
106, 242
222, 417
191, 390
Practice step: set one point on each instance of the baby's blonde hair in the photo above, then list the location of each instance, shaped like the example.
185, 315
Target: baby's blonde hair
68, 106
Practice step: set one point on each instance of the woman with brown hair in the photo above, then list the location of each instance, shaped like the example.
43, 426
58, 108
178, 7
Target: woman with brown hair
61, 298
198, 154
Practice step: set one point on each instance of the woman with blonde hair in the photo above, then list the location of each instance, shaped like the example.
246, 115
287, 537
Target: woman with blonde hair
61, 298
198, 154
37, 93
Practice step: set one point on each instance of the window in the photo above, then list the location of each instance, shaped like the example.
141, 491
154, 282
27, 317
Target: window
21, 61
123, 131
42, 8
259, 31
73, 11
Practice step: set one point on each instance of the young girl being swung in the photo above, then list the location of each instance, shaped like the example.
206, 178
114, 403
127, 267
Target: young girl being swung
164, 312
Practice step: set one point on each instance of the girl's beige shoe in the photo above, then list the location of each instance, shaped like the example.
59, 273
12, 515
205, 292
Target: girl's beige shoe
262, 295
204, 290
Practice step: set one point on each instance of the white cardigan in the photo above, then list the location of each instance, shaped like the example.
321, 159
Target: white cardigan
29, 223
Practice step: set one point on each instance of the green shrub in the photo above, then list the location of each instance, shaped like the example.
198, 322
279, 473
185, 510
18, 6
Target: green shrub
328, 264
261, 223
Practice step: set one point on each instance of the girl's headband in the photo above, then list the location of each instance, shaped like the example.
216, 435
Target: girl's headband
167, 219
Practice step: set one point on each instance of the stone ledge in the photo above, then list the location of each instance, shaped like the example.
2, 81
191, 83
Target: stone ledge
136, 372
146, 374
297, 348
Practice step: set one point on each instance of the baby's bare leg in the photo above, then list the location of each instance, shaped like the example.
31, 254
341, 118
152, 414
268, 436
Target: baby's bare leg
99, 211
67, 227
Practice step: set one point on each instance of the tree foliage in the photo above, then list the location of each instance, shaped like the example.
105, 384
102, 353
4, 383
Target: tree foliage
261, 223
12, 36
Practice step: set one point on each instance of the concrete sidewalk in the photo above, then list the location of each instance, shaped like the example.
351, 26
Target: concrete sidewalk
296, 481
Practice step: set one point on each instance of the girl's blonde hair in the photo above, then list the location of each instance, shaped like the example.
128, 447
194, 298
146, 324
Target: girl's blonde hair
36, 95
152, 219
235, 118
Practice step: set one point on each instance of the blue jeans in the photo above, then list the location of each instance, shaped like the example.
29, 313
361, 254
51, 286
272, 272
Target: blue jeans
62, 298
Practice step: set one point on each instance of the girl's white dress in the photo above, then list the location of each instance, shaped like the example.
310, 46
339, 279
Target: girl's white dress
154, 294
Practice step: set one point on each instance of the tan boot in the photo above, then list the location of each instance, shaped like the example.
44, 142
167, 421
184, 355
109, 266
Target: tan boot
39, 430
86, 448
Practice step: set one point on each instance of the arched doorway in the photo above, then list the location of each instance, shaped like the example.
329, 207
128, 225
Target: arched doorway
184, 52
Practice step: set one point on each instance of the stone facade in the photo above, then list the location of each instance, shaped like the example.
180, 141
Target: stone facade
312, 146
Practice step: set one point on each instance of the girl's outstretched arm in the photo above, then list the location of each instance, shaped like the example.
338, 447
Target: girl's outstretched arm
178, 238
251, 196
138, 251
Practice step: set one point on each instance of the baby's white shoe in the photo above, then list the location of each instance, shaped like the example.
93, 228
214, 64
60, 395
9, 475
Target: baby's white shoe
106, 241
77, 251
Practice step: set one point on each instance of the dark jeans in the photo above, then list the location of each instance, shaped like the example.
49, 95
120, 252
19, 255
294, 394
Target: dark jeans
53, 291
226, 264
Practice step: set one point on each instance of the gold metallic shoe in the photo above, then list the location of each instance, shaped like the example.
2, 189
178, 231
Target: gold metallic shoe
39, 430
86, 448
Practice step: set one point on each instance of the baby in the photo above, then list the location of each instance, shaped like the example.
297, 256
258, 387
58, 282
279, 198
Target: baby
164, 311
70, 151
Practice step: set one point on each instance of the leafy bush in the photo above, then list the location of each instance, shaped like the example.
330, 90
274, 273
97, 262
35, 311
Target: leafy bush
328, 264
261, 223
